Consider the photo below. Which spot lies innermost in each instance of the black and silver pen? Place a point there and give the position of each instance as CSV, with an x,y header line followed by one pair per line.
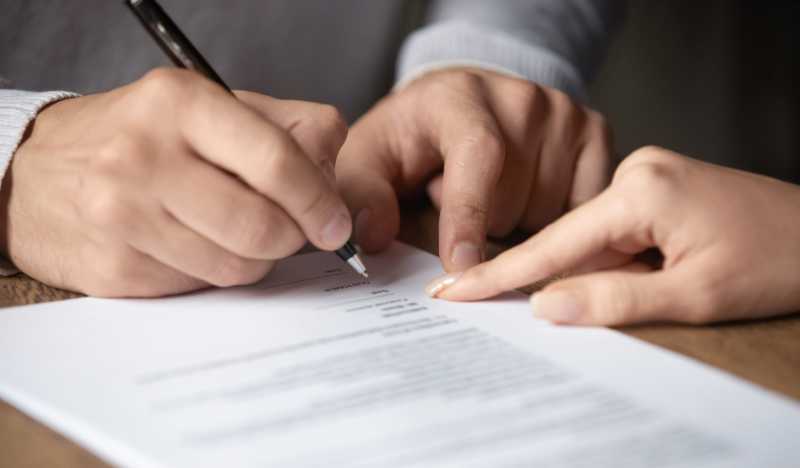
x,y
183,54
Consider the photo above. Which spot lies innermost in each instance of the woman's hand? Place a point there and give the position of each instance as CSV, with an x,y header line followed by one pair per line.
x,y
730,242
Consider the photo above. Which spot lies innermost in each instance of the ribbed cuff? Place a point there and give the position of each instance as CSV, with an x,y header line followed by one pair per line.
x,y
17,110
460,44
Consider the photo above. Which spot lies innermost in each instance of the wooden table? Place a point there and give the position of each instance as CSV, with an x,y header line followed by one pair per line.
x,y
766,352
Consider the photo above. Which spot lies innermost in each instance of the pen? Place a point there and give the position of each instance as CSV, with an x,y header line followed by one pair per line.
x,y
183,54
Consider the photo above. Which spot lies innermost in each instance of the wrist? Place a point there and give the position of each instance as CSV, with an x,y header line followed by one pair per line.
x,y
19,111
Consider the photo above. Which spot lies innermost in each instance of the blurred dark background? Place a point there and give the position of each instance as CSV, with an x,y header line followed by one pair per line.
x,y
713,79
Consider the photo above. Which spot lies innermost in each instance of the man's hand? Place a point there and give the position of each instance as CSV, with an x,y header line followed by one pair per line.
x,y
730,242
495,153
171,184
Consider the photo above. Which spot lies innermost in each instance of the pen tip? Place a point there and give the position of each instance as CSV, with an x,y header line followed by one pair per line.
x,y
358,266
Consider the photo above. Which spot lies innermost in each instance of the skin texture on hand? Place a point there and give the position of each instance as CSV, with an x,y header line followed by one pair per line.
x,y
730,242
171,184
495,153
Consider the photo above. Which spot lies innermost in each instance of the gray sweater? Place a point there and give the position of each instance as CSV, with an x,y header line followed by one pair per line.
x,y
344,52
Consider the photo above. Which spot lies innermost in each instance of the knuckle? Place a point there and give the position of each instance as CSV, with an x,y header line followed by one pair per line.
x,y
647,155
655,178
560,100
635,212
165,83
331,122
622,206
445,85
597,151
577,116
560,108
528,93
323,125
287,243
229,271
161,94
123,154
277,154
572,123
107,208
546,261
318,202
252,233
598,126
235,271
469,210
257,236
598,119
485,141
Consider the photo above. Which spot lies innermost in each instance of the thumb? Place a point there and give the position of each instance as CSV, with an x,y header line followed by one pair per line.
x,y
615,298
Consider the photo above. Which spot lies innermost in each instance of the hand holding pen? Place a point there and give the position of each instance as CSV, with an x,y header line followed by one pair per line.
x,y
183,54
168,185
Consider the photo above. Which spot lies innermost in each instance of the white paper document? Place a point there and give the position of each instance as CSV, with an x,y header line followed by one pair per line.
x,y
317,367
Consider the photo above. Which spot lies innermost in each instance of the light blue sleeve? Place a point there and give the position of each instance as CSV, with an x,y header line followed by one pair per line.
x,y
557,43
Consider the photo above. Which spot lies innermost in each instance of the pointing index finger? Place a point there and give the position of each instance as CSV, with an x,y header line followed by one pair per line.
x,y
472,145
561,246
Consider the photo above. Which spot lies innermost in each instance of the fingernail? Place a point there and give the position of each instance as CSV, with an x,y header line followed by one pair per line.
x,y
337,231
362,225
465,256
437,286
555,306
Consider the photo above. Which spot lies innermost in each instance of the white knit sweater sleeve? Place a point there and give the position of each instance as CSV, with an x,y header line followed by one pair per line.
x,y
17,110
